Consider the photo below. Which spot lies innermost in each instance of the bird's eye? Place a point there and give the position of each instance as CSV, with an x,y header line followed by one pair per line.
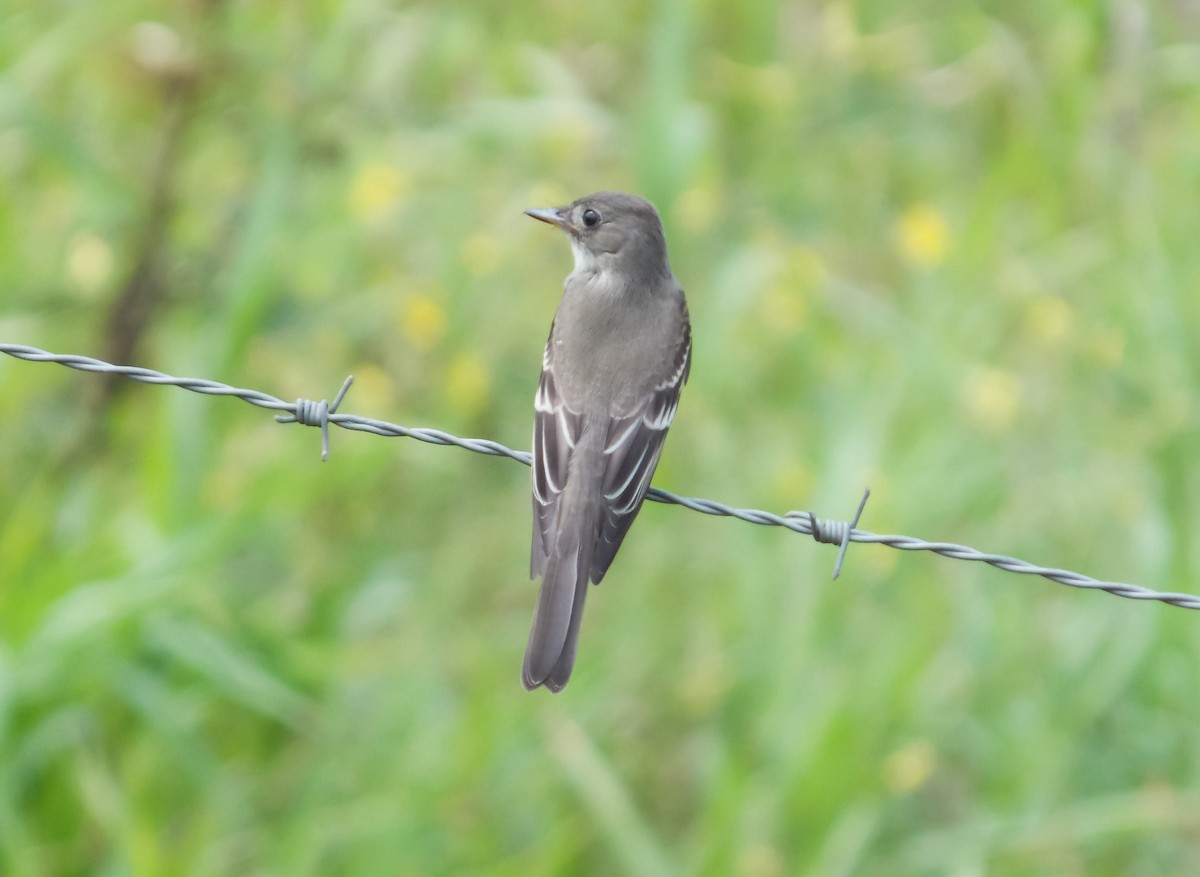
x,y
590,217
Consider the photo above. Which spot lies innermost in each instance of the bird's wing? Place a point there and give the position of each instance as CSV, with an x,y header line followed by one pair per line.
x,y
556,429
632,449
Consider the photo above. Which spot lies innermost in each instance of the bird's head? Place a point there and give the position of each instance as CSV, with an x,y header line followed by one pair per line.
x,y
611,231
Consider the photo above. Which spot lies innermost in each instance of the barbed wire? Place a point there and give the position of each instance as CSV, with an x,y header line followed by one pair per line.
x,y
322,413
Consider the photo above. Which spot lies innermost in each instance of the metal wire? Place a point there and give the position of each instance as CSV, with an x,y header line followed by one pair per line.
x,y
322,414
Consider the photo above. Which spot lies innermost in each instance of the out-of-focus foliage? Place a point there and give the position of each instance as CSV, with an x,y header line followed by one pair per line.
x,y
946,249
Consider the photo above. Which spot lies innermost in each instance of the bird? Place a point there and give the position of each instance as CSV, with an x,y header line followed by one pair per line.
x,y
619,352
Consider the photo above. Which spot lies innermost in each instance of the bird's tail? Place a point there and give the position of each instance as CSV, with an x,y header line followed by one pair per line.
x,y
550,655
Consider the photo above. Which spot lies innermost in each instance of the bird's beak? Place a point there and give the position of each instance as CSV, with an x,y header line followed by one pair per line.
x,y
552,215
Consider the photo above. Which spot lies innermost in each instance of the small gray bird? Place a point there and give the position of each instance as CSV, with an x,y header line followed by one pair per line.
x,y
620,349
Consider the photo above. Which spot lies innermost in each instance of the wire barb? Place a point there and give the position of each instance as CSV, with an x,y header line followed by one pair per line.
x,y
799,522
834,532
310,413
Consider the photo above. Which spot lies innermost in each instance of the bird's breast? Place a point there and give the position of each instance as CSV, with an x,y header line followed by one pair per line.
x,y
608,341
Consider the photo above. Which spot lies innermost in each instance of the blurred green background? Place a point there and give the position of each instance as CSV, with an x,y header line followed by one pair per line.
x,y
947,250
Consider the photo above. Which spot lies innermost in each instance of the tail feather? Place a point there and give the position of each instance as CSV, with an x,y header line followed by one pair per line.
x,y
550,655
559,676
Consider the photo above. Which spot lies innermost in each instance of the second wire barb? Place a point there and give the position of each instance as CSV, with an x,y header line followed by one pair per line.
x,y
834,532
311,413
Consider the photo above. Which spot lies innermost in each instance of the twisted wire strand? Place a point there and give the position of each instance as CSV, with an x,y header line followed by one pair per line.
x,y
322,413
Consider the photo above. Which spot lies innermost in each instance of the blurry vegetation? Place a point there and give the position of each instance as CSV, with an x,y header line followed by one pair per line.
x,y
948,250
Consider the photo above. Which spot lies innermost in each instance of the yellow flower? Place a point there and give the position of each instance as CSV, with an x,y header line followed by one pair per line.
x,y
375,189
89,262
909,767
1049,318
696,208
923,235
800,275
374,389
467,384
991,397
423,321
793,483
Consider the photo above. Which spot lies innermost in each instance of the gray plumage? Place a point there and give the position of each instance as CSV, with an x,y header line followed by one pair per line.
x,y
618,354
